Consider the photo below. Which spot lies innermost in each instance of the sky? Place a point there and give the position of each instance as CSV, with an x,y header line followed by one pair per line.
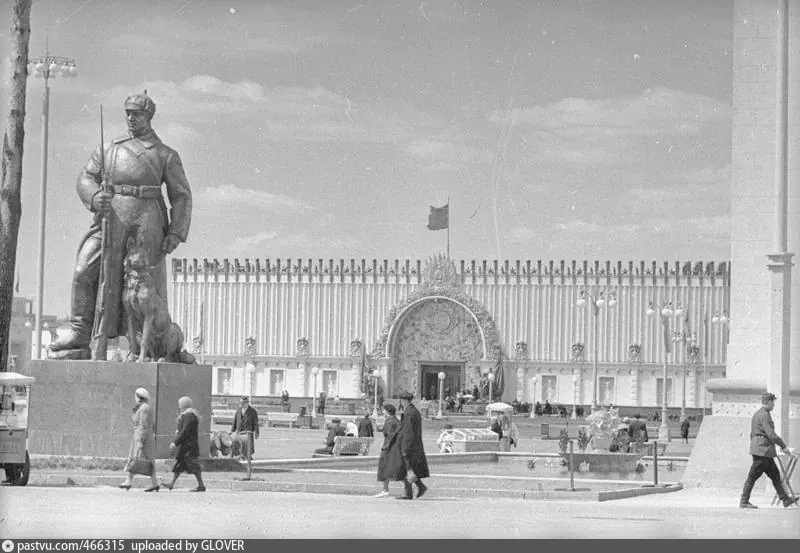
x,y
556,129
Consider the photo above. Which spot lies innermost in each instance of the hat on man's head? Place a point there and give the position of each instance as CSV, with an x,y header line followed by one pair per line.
x,y
768,396
408,396
140,101
245,399
334,421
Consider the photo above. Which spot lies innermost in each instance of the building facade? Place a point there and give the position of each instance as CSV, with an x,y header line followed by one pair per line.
x,y
309,326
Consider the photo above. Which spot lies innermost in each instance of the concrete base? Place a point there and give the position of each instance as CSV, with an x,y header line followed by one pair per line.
x,y
720,457
84,408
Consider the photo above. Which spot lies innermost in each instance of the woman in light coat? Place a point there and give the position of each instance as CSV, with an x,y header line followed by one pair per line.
x,y
143,442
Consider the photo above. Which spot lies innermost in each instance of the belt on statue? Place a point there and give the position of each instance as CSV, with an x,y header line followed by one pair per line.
x,y
135,191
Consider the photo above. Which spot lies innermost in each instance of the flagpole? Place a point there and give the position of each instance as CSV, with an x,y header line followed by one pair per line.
x,y
448,228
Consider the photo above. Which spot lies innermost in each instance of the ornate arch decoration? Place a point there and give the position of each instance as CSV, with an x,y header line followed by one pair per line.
x,y
439,283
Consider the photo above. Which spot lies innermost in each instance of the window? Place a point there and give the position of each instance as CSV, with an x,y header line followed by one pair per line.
x,y
660,392
606,391
330,382
277,378
224,381
550,388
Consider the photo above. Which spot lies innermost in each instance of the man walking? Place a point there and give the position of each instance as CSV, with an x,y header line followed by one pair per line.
x,y
411,448
365,427
246,420
762,447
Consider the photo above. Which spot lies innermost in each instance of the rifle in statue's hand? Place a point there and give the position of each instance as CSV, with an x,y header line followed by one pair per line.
x,y
100,327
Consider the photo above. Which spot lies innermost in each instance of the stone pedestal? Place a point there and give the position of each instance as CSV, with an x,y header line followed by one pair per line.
x,y
720,457
84,408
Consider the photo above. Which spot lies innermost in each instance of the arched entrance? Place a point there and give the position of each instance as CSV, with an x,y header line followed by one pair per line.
x,y
437,328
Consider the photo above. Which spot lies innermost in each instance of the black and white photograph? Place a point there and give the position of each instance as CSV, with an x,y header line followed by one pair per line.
x,y
387,269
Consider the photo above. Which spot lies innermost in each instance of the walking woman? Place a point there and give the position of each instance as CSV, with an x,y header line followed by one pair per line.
x,y
390,463
143,443
187,443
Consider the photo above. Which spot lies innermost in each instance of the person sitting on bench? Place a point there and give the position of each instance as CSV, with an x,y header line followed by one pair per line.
x,y
336,430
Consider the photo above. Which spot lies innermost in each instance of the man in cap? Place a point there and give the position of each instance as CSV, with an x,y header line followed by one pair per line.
x,y
330,440
763,440
411,448
245,422
135,167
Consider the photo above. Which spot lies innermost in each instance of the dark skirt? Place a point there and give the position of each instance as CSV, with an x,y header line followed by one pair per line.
x,y
390,464
186,462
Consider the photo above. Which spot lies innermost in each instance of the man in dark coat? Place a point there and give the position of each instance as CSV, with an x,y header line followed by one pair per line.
x,y
763,440
336,430
188,445
365,427
411,447
246,421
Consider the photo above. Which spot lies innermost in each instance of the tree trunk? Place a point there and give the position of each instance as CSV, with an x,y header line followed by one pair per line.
x,y
13,139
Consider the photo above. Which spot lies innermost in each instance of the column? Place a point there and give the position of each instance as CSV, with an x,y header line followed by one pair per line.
x,y
520,384
691,387
634,389
355,381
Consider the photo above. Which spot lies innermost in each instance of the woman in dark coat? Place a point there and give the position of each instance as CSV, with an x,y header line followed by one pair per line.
x,y
390,464
411,447
188,445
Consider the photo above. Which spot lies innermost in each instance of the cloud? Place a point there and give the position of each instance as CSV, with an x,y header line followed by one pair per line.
x,y
228,197
245,245
655,111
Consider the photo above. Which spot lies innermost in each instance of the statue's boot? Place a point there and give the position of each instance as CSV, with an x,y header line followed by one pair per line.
x,y
79,336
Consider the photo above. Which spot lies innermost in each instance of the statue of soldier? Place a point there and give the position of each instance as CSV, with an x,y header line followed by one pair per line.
x,y
135,166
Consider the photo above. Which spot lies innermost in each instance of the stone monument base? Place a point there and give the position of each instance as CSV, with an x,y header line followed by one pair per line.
x,y
720,457
84,408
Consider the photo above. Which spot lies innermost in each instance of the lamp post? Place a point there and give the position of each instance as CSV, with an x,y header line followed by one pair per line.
x,y
441,377
374,377
47,67
721,319
533,402
314,373
490,377
598,302
687,340
574,396
666,312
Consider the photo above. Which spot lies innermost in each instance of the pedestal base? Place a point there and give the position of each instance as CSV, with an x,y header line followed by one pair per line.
x,y
84,408
720,457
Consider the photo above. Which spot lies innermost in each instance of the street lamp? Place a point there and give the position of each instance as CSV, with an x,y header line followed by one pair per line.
x,y
441,377
533,402
598,302
47,67
720,318
490,377
666,312
374,376
688,340
314,373
574,396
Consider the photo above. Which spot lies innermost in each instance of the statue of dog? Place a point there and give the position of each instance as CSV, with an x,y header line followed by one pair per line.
x,y
151,332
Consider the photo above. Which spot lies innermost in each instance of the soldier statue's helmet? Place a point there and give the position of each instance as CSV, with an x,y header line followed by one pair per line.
x,y
140,101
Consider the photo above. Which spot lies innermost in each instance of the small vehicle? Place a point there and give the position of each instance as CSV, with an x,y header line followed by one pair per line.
x,y
14,411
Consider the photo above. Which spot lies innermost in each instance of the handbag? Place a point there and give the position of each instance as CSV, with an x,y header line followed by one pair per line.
x,y
140,466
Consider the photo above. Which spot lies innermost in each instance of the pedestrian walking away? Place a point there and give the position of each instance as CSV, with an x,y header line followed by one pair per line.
x,y
186,445
411,448
763,440
143,442
245,422
685,431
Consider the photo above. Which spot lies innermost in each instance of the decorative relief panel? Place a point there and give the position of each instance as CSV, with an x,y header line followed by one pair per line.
x,y
436,331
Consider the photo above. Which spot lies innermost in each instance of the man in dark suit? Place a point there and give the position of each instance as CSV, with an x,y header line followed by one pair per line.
x,y
763,440
411,448
336,430
365,427
246,422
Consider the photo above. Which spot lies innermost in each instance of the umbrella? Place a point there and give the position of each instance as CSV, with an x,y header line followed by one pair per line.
x,y
498,406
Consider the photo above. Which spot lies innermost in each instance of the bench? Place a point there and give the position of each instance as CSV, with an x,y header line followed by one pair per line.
x,y
348,446
223,416
281,418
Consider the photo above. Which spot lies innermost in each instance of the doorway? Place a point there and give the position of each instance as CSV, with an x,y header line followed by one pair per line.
x,y
429,379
